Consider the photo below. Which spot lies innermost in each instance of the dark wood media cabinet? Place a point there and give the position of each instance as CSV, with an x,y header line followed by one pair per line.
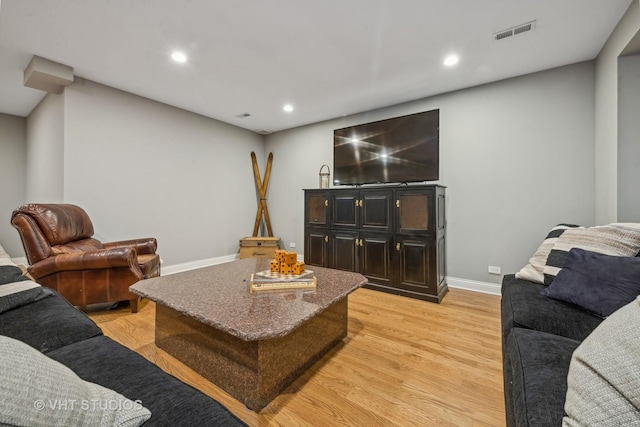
x,y
394,236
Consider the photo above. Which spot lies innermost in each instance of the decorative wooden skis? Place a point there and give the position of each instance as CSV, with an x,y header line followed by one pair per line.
x,y
262,190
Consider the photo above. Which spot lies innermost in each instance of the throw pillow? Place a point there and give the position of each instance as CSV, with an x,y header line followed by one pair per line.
x,y
598,283
533,270
4,257
621,239
38,391
603,384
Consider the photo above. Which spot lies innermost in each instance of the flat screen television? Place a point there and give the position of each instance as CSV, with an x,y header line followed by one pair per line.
x,y
398,150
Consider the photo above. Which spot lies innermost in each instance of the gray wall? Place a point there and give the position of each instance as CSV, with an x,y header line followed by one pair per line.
x,y
13,146
628,138
45,148
142,168
606,117
517,157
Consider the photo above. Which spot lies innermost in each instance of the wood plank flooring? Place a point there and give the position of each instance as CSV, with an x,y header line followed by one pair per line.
x,y
404,362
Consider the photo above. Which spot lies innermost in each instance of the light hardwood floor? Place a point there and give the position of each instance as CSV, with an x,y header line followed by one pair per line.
x,y
404,362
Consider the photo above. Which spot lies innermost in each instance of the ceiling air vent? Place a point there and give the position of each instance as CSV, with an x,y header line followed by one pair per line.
x,y
503,34
514,31
264,131
522,29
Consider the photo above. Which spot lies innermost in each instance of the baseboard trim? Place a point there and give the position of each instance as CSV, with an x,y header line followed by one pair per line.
x,y
171,269
192,265
20,260
452,282
474,285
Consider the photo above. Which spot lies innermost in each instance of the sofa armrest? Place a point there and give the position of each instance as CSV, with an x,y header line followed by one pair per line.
x,y
94,260
143,246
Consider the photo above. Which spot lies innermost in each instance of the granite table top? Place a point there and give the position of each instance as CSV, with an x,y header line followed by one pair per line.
x,y
219,296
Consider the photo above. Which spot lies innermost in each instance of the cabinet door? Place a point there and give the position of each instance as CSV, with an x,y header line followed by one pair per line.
x,y
415,211
316,208
344,251
417,265
375,210
316,244
345,209
375,258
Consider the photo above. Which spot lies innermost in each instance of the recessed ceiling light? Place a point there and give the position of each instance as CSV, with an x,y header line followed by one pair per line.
x,y
451,60
288,108
179,57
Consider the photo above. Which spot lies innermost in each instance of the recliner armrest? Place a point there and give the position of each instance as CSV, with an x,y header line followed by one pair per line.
x,y
94,260
147,245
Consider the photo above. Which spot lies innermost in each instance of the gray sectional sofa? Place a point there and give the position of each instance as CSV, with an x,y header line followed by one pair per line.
x,y
563,314
49,324
539,336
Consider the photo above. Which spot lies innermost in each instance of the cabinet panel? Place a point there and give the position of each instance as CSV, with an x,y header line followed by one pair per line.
x,y
316,209
316,248
344,251
376,210
345,210
415,211
442,268
440,201
376,253
417,265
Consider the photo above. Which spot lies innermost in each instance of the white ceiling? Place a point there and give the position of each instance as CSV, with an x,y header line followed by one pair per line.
x,y
326,57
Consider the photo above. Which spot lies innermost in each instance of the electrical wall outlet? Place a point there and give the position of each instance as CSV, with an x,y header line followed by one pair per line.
x,y
292,244
494,270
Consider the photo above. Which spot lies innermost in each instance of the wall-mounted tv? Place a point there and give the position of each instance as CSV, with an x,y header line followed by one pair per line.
x,y
397,150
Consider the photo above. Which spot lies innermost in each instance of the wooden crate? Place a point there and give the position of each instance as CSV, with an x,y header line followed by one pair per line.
x,y
259,247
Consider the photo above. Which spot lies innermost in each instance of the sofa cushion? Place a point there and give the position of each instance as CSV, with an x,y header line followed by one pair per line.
x,y
23,292
533,270
83,245
48,324
596,282
621,239
539,365
38,391
172,402
149,265
523,306
11,274
604,374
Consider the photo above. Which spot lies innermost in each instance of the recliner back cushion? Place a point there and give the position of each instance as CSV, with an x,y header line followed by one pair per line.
x,y
84,245
60,223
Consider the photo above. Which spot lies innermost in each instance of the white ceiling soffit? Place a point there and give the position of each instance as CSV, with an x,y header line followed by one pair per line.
x,y
326,58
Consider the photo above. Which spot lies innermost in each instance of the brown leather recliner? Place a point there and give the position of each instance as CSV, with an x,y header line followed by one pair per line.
x,y
62,255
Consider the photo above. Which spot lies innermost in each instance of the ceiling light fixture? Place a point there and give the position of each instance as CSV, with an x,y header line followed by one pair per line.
x,y
288,108
451,60
179,57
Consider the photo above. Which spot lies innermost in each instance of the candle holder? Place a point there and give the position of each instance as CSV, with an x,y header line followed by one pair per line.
x,y
324,176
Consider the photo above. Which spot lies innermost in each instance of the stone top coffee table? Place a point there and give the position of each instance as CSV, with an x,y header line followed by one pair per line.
x,y
252,345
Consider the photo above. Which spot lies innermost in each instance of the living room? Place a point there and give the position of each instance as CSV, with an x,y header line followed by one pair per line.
x,y
518,156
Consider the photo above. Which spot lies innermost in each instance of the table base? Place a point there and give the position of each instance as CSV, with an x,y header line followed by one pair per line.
x,y
254,372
